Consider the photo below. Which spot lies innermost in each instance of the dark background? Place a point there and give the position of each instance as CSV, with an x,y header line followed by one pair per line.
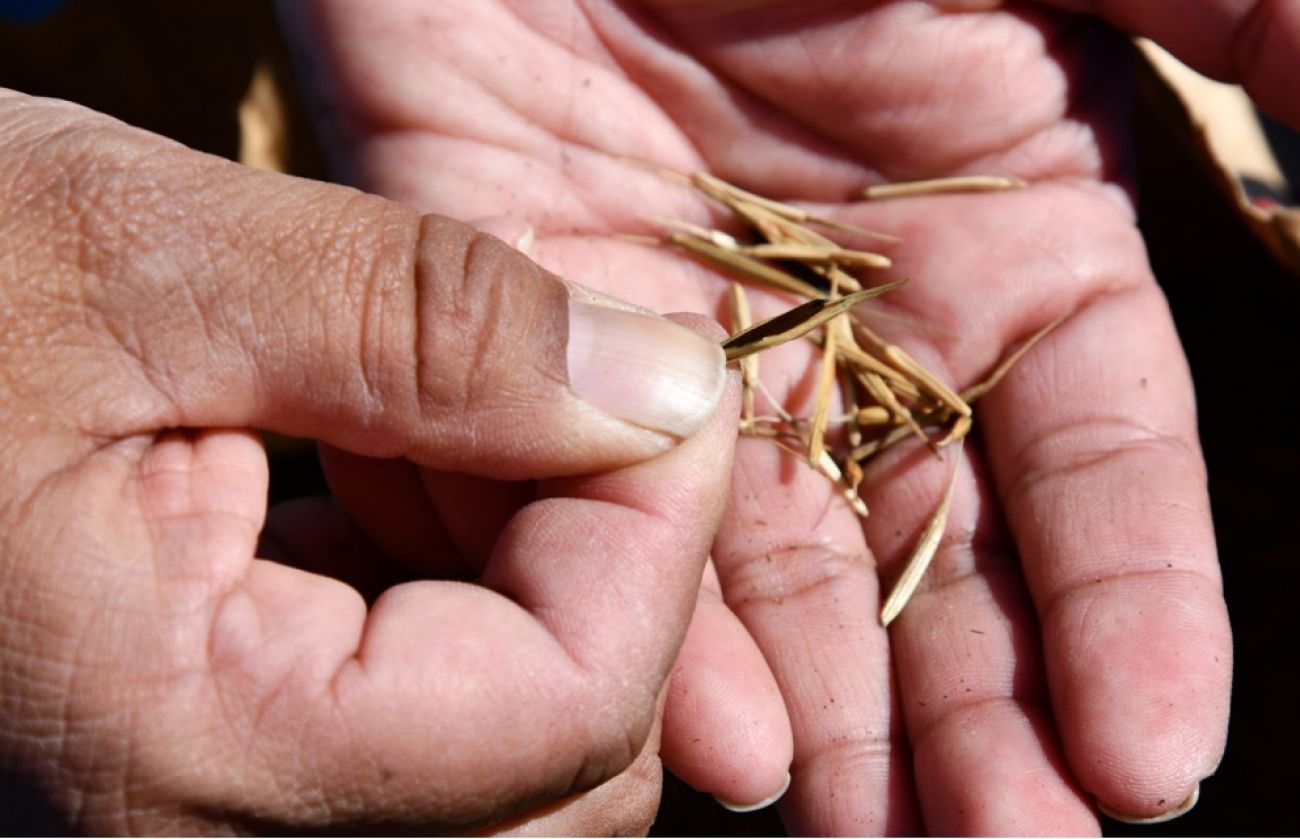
x,y
181,68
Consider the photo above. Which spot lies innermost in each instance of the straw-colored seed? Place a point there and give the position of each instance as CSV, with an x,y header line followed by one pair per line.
x,y
974,392
715,237
887,396
927,380
944,186
825,384
745,267
922,554
742,319
899,413
777,228
740,199
960,428
875,415
795,323
872,448
818,254
853,475
859,359
826,465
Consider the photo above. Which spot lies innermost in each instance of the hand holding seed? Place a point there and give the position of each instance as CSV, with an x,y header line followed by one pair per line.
x,y
1068,646
164,672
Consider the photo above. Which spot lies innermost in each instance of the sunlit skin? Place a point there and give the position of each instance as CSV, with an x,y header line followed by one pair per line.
x,y
177,660
1071,642
499,621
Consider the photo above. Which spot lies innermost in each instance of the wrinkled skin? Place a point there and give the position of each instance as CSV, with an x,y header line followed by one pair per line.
x,y
1071,643
167,670
176,660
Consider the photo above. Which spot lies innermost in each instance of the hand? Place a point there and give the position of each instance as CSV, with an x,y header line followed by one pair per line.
x,y
1071,642
157,306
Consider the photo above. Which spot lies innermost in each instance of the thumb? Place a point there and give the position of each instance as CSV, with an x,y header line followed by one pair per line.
x,y
195,292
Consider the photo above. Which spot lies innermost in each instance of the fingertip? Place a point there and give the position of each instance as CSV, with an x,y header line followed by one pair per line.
x,y
991,768
1142,690
768,801
1158,817
726,731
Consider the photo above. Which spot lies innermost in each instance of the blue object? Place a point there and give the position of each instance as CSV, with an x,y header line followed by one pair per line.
x,y
29,11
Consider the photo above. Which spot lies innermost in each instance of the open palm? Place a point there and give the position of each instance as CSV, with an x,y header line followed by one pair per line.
x,y
1070,642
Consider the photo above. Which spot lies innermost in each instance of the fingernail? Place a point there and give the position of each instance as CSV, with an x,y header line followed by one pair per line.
x,y
1168,815
749,808
643,369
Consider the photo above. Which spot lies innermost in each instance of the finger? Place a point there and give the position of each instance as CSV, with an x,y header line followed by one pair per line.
x,y
970,679
224,296
1104,489
725,727
1253,43
599,577
1091,446
795,569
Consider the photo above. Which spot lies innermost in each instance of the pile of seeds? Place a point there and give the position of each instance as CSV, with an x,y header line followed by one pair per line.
x,y
886,396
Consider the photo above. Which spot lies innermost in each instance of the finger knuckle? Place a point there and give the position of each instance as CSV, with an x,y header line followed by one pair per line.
x,y
489,338
798,574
